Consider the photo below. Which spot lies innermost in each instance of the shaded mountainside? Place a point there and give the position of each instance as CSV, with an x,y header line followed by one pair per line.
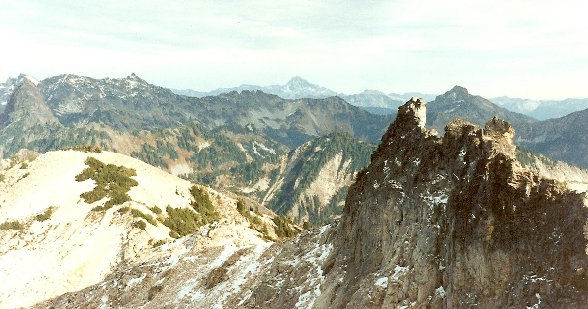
x,y
563,138
292,122
234,142
438,222
26,107
313,180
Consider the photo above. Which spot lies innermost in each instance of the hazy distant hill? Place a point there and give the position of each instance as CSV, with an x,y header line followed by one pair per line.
x,y
458,103
564,138
374,101
542,109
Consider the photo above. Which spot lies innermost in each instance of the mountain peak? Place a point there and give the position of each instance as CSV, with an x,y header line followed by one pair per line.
x,y
297,87
414,111
298,80
459,90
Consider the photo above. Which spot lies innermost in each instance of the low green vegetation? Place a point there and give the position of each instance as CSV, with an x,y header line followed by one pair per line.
x,y
181,221
11,225
184,221
139,214
255,222
140,225
202,204
156,210
2,177
46,215
24,166
112,181
84,148
159,243
283,227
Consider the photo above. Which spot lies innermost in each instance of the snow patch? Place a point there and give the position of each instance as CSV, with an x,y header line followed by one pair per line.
x,y
440,291
382,282
535,306
206,144
136,281
263,147
399,271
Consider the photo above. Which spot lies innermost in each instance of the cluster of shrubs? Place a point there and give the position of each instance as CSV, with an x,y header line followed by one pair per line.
x,y
255,222
283,227
184,221
111,181
11,225
139,214
84,148
46,215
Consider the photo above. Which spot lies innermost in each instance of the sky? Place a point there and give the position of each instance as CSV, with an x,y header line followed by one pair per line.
x,y
529,49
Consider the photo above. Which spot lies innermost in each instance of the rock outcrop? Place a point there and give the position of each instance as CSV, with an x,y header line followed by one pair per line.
x,y
454,221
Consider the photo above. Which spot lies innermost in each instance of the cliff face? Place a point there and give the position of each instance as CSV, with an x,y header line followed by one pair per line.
x,y
27,105
454,221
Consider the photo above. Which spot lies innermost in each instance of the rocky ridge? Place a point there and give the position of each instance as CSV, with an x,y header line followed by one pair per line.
x,y
439,222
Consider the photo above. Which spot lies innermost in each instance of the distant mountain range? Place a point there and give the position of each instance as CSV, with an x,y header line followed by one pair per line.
x,y
542,109
250,142
373,101
234,141
295,88
377,102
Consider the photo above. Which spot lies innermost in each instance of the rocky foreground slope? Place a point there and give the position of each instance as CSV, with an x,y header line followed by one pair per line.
x,y
441,222
53,240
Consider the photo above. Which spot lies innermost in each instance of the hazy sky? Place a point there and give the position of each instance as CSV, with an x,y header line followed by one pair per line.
x,y
532,49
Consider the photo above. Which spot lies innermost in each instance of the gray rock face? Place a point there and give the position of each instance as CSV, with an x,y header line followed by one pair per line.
x,y
27,104
455,222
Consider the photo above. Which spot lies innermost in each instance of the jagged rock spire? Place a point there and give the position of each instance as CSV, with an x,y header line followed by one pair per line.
x,y
416,110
